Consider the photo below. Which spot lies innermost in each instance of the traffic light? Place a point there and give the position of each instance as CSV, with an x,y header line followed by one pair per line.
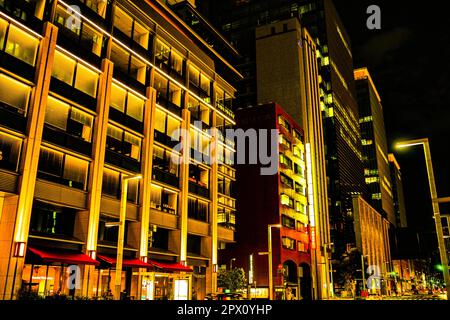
x,y
439,267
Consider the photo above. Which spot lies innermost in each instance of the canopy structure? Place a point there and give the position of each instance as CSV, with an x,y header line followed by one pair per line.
x,y
171,266
127,263
62,256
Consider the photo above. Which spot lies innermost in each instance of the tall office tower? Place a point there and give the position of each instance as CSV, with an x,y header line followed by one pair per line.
x,y
279,199
341,121
92,97
374,146
397,190
288,73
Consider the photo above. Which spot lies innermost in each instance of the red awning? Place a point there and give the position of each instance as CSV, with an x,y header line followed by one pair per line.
x,y
63,256
127,263
171,266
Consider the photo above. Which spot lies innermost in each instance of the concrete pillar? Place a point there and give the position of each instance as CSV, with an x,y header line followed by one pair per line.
x,y
184,183
30,157
96,170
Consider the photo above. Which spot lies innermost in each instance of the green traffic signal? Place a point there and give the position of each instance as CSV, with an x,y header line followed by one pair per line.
x,y
439,267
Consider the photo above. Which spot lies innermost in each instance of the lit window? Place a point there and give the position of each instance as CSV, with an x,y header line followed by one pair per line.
x,y
3,27
123,21
75,171
141,35
92,39
132,146
86,80
176,62
14,93
135,107
123,142
57,113
127,102
173,125
163,199
128,64
160,121
67,20
194,77
162,54
118,97
110,183
22,45
79,123
10,147
64,169
175,93
63,68
98,6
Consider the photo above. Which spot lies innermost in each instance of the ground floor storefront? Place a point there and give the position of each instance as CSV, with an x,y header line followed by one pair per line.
x,y
66,274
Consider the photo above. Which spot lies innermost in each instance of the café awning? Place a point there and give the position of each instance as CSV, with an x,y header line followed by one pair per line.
x,y
171,266
62,256
127,263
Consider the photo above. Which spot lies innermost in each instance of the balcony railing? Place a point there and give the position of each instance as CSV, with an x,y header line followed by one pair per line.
x,y
165,177
122,161
198,190
67,140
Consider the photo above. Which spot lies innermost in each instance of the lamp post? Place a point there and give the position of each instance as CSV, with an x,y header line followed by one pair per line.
x,y
121,236
231,263
435,201
363,271
269,234
331,285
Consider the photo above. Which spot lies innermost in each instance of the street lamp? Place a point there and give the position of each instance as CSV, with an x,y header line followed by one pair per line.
x,y
363,270
120,240
269,234
435,201
326,246
231,263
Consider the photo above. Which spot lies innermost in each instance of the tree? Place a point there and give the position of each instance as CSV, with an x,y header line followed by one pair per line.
x,y
232,280
348,270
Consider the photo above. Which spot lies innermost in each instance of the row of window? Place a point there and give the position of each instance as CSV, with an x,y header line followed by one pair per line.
x,y
14,94
291,203
292,244
290,183
18,43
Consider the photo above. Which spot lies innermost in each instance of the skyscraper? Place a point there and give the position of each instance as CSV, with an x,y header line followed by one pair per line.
x,y
374,145
397,190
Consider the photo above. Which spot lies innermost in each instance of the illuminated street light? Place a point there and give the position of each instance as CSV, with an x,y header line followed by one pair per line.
x,y
435,201
231,263
121,224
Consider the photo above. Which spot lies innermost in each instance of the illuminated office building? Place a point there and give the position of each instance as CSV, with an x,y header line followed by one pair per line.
x,y
91,92
397,189
374,146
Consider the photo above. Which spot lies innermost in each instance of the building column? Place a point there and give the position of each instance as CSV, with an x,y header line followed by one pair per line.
x,y
184,182
214,207
10,270
98,160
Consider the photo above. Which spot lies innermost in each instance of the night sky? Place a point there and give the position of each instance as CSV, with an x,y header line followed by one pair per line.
x,y
408,62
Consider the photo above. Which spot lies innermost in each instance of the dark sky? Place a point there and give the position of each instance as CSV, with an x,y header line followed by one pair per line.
x,y
408,62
